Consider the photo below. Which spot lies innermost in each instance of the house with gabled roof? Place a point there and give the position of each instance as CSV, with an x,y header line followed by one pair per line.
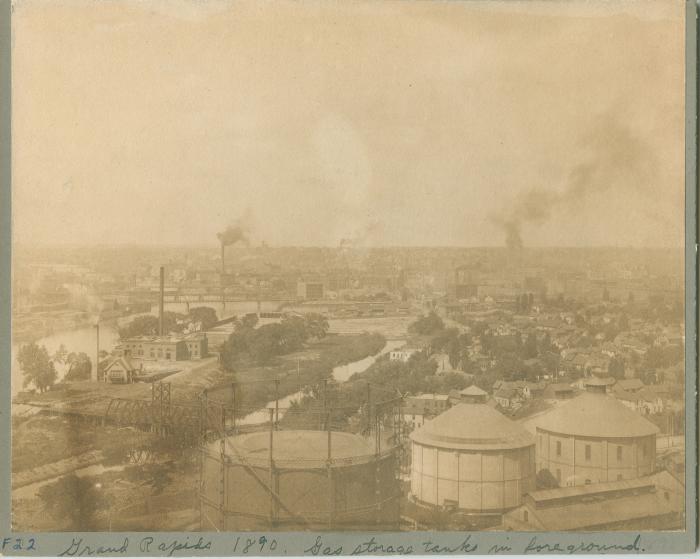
x,y
120,371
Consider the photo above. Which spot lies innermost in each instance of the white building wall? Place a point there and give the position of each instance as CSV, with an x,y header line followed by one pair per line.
x,y
475,480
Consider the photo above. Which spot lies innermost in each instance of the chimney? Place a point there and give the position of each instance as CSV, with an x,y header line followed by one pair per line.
x,y
223,271
161,298
223,259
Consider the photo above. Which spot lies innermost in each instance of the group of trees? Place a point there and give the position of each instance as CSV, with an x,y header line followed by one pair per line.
x,y
616,367
199,318
270,340
427,325
76,502
386,378
39,368
455,345
661,357
77,366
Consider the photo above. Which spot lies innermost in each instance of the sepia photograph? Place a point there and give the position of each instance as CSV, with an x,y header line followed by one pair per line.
x,y
345,267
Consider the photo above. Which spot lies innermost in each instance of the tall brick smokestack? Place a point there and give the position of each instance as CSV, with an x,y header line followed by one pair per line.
x,y
223,271
161,298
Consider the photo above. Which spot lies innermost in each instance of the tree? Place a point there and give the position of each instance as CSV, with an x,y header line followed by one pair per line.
x,y
545,344
530,346
61,354
442,340
204,316
79,367
148,325
316,325
157,476
616,368
249,321
36,367
77,500
426,325
623,322
479,327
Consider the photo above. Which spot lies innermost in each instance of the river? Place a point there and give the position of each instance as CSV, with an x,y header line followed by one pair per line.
x,y
85,340
340,374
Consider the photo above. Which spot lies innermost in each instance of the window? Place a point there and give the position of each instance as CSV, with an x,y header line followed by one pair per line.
x,y
588,482
525,515
558,448
644,450
619,453
558,475
619,477
667,496
588,452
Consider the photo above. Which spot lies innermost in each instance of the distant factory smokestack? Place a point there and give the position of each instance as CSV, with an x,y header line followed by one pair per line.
x,y
223,271
161,300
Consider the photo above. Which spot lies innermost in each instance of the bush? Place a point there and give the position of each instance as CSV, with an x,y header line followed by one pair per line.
x,y
75,500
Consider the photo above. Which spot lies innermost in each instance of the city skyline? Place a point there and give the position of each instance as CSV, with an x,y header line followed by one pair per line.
x,y
345,128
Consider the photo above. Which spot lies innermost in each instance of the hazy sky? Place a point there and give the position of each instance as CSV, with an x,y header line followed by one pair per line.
x,y
399,123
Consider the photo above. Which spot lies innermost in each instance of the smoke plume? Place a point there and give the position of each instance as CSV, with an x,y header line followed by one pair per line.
x,y
366,236
614,158
233,234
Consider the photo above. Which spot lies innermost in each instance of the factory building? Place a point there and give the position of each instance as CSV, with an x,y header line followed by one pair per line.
x,y
310,290
472,458
164,348
463,284
594,438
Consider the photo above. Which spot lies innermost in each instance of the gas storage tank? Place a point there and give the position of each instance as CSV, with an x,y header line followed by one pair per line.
x,y
594,438
474,458
299,480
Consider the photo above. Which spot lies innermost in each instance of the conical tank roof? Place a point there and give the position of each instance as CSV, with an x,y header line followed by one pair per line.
x,y
473,390
595,415
472,427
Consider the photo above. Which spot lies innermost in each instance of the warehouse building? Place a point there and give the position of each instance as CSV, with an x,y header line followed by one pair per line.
x,y
654,502
165,348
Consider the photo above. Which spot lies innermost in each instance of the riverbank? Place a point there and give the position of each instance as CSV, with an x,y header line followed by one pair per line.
x,y
291,373
42,440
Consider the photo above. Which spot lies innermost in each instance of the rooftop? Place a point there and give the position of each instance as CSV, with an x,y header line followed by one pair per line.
x,y
547,496
473,427
431,396
588,506
595,415
473,390
303,446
